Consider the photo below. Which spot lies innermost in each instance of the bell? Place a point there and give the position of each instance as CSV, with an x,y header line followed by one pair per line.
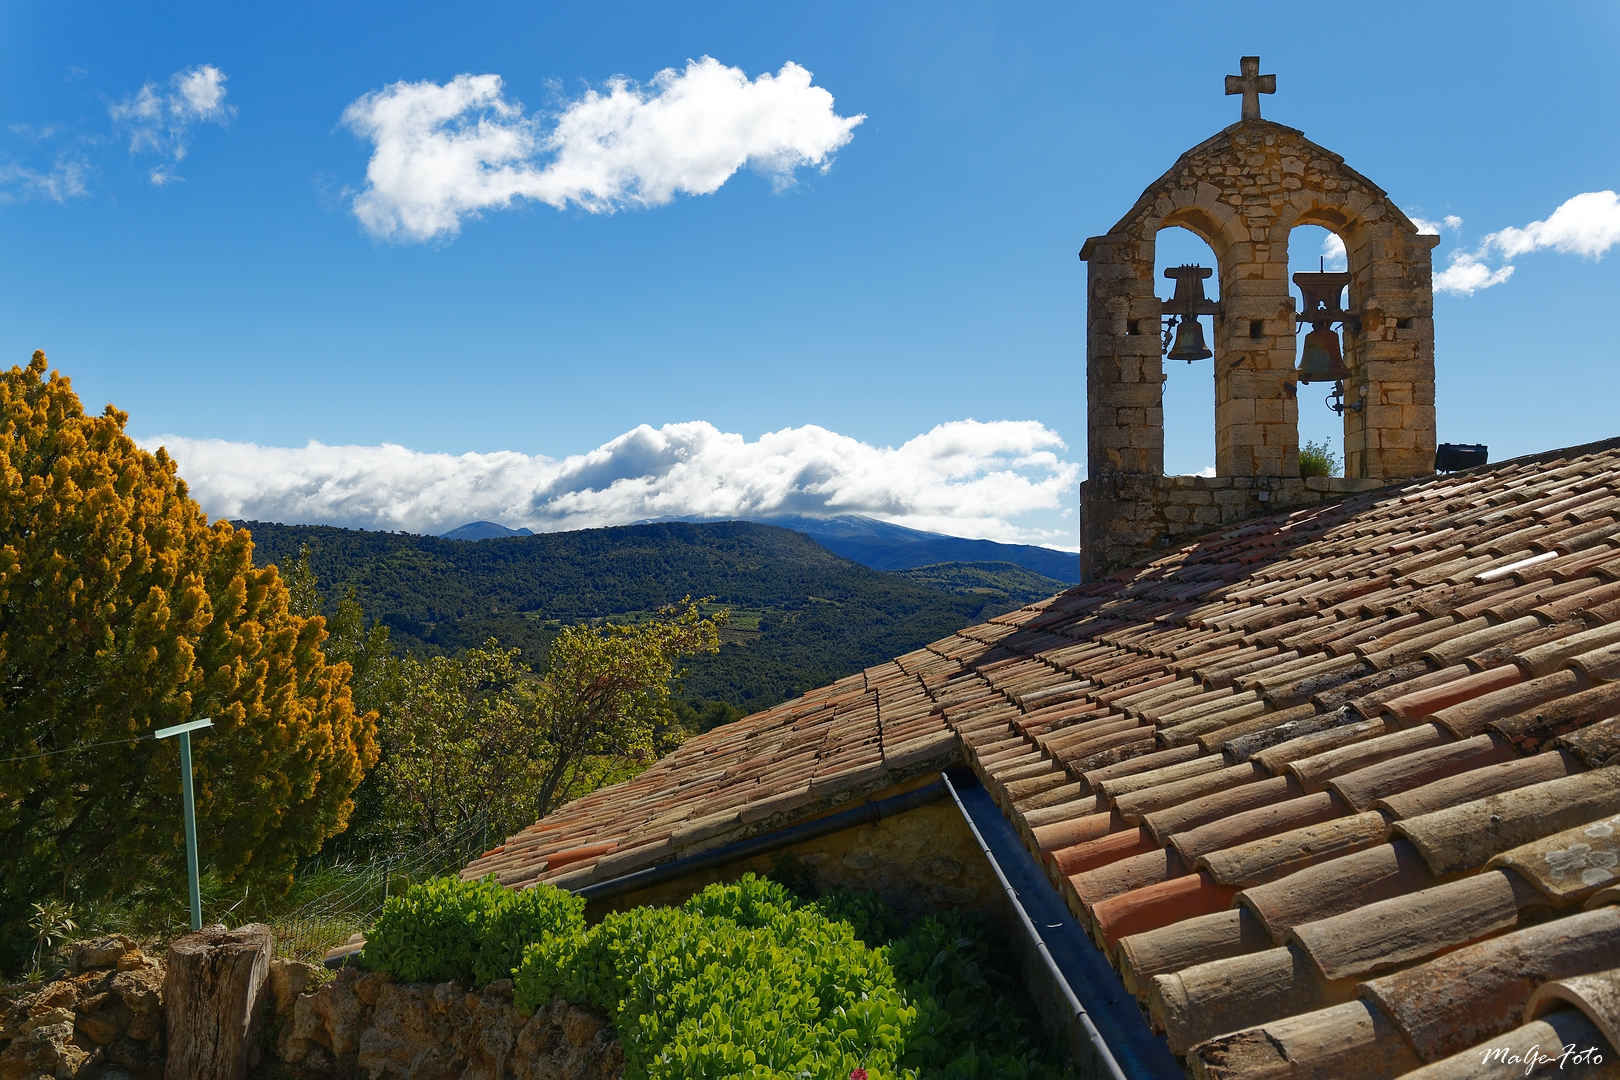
x,y
1321,360
1189,344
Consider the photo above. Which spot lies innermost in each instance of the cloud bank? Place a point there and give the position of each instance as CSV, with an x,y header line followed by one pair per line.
x,y
443,153
161,121
1587,225
963,478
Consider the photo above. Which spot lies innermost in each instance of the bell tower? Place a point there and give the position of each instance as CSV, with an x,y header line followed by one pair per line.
x,y
1242,191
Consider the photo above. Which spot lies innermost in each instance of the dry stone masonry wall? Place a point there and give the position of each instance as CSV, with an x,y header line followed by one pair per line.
x,y
427,1031
102,1018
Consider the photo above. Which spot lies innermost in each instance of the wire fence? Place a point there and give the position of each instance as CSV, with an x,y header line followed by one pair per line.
x,y
354,892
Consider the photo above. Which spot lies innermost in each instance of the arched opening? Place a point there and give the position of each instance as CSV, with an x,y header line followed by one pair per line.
x,y
1189,388
1312,248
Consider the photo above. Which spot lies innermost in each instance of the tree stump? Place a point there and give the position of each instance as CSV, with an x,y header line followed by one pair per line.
x,y
211,997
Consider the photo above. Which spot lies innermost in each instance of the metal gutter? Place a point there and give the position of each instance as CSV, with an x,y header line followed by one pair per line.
x,y
1092,991
867,813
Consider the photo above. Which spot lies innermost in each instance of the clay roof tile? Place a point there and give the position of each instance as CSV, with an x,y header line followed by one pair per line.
x,y
1351,1041
1280,854
1465,837
1457,1001
1412,926
1477,784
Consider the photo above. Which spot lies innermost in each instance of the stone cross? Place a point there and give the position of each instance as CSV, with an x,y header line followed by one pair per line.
x,y
1251,84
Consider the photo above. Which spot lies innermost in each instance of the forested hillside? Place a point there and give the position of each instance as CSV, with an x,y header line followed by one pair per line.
x,y
800,615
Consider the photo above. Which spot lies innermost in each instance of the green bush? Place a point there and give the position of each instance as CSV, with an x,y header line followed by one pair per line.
x,y
744,980
472,932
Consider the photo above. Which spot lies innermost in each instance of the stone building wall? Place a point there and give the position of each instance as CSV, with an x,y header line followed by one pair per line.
x,y
1242,192
1128,514
920,861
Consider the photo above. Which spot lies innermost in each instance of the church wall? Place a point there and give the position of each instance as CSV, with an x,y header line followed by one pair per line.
x,y
921,861
1126,516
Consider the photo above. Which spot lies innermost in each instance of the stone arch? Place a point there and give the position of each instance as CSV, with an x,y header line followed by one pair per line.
x,y
1188,390
1243,191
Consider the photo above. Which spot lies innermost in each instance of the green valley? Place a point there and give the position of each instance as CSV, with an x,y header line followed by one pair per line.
x,y
800,616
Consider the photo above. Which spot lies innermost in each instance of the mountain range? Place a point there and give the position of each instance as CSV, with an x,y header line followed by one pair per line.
x,y
870,542
800,615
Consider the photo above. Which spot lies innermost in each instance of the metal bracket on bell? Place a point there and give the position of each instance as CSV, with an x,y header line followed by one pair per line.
x,y
1335,400
1321,292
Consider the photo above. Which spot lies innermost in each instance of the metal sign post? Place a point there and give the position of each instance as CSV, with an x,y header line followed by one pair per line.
x,y
184,731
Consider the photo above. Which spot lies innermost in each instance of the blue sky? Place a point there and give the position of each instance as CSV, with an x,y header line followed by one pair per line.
x,y
926,276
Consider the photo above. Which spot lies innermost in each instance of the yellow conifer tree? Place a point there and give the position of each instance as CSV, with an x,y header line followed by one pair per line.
x,y
122,610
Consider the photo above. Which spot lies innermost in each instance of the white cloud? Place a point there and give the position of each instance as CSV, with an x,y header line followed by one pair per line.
x,y
963,478
442,153
61,183
160,120
1467,275
1433,228
1587,224
1332,252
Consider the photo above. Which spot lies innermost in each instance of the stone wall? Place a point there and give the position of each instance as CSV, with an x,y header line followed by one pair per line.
x,y
1243,191
101,1019
921,861
1129,515
387,1030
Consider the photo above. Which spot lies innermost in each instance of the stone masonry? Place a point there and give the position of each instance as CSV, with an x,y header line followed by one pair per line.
x,y
1242,192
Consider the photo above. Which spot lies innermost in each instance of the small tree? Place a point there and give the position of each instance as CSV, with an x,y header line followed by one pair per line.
x,y
605,697
457,744
122,610
483,735
376,686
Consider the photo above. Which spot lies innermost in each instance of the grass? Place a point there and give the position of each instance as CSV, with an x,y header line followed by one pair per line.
x,y
331,898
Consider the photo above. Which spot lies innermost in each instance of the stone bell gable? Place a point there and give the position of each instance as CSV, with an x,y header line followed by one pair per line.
x,y
1243,191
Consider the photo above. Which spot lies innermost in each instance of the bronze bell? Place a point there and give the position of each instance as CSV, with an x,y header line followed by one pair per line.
x,y
1320,360
1186,305
1189,344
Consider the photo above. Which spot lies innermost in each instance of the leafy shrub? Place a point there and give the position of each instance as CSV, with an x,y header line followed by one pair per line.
x,y
473,932
739,981
746,980
873,921
743,980
1318,459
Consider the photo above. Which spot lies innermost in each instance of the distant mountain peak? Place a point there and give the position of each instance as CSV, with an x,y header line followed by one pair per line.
x,y
484,530
882,545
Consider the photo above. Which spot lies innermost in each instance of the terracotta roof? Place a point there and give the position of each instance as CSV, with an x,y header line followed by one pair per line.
x,y
1336,791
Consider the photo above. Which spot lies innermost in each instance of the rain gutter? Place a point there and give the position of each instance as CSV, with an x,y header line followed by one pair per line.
x,y
1092,993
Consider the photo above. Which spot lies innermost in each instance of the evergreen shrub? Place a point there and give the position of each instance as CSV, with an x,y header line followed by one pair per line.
x,y
471,932
743,980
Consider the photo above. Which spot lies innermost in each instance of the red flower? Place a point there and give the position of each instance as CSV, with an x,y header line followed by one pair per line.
x,y
857,1074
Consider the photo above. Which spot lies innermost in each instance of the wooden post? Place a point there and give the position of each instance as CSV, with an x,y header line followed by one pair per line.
x,y
211,997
